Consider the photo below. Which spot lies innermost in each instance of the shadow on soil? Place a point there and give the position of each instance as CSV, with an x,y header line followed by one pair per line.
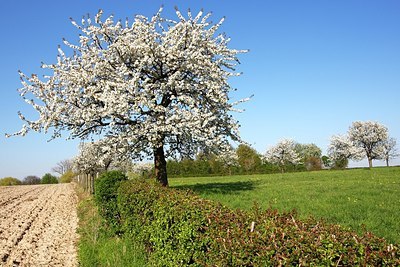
x,y
220,188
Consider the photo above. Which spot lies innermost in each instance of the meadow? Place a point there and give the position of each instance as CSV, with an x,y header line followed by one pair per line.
x,y
359,199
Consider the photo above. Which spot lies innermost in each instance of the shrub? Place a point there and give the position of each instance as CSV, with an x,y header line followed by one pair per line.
x,y
67,177
7,181
340,164
105,196
49,179
313,164
181,229
168,221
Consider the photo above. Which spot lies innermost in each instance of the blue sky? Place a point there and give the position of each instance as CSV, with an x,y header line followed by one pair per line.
x,y
314,67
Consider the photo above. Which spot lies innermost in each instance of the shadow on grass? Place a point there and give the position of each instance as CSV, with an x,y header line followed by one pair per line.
x,y
220,188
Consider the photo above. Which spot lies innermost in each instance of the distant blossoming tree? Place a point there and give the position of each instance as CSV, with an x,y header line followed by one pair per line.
x,y
368,136
91,159
228,158
388,150
156,85
341,149
141,169
283,153
100,156
363,139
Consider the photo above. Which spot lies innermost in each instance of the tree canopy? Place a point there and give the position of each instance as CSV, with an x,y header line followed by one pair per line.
x,y
31,179
368,136
388,150
341,149
155,86
282,153
248,158
49,179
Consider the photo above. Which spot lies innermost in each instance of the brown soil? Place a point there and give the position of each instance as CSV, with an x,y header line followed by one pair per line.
x,y
38,225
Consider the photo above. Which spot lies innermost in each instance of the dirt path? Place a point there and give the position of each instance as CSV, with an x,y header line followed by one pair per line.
x,y
38,225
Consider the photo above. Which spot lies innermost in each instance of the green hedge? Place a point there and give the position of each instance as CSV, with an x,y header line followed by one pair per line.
x,y
170,223
106,189
179,228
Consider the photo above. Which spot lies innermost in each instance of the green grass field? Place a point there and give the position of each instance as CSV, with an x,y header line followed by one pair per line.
x,y
355,198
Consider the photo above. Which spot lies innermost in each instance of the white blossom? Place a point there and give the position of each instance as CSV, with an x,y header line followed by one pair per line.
x,y
228,157
387,150
141,167
155,85
363,139
368,136
341,147
90,159
282,153
98,156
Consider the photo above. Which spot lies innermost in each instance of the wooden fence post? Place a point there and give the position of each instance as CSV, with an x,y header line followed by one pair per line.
x,y
86,182
91,184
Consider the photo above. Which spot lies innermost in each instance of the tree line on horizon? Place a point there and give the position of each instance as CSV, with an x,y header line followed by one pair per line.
x,y
363,140
286,156
48,178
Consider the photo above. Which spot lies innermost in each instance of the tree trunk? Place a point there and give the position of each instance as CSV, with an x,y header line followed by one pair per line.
x,y
387,162
160,166
370,162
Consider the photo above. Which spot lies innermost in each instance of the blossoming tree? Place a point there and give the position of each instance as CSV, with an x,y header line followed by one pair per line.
x,y
341,149
368,136
282,153
94,157
388,150
155,85
363,139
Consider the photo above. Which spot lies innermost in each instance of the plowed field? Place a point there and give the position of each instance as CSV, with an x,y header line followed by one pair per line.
x,y
38,225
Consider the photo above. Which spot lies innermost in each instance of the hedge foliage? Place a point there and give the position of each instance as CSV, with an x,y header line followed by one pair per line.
x,y
179,228
106,189
212,167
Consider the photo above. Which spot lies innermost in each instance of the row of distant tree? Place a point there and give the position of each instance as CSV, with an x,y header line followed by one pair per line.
x,y
368,140
364,140
33,179
248,161
299,157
